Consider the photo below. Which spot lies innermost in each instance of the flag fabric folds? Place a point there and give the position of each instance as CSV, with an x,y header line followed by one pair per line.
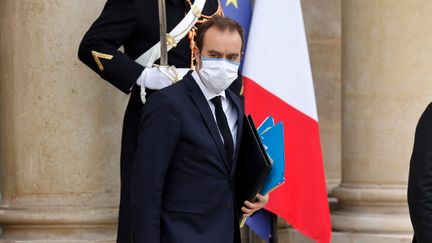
x,y
278,82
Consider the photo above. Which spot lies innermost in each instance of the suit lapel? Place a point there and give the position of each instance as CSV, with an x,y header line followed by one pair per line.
x,y
207,115
238,103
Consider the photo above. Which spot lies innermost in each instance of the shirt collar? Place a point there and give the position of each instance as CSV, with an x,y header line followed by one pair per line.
x,y
208,94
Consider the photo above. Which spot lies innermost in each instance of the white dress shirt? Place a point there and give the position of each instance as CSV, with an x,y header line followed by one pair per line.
x,y
230,110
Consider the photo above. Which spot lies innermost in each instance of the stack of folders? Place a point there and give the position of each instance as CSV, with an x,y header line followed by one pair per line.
x,y
260,168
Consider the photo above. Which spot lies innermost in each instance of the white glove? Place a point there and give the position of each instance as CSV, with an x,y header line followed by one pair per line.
x,y
153,78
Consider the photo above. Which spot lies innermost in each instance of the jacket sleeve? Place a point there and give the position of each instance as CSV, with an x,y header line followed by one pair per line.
x,y
159,134
420,179
99,47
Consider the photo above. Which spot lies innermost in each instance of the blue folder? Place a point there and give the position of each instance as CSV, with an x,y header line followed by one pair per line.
x,y
273,140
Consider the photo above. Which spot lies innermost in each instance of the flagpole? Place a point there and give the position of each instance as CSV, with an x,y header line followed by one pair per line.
x,y
274,229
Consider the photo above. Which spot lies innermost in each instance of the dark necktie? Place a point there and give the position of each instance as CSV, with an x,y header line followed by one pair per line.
x,y
224,128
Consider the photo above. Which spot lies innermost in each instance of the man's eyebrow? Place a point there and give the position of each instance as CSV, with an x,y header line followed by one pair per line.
x,y
215,52
235,54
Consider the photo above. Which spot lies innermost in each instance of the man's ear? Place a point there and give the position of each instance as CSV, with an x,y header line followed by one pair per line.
x,y
196,52
197,55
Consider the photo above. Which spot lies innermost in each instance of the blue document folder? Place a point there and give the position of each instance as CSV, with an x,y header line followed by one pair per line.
x,y
273,140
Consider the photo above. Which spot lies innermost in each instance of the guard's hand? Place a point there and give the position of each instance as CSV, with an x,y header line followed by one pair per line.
x,y
251,208
153,78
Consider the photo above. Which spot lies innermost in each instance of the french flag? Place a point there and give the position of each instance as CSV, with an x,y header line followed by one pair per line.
x,y
278,82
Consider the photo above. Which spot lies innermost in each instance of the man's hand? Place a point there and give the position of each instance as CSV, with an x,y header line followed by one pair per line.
x,y
251,208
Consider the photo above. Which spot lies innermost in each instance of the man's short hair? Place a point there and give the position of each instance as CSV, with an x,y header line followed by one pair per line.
x,y
222,24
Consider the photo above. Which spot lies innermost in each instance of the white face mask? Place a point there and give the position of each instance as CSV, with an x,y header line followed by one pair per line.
x,y
217,74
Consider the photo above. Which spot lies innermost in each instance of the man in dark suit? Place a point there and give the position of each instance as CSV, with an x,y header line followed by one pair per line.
x,y
420,180
134,24
188,144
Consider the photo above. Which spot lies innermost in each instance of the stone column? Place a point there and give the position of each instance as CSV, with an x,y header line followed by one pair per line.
x,y
386,71
60,127
323,28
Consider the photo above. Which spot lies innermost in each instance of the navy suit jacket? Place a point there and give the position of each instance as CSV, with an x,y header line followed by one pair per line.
x,y
420,180
182,186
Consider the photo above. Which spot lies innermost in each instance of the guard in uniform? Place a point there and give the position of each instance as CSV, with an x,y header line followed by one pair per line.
x,y
134,24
